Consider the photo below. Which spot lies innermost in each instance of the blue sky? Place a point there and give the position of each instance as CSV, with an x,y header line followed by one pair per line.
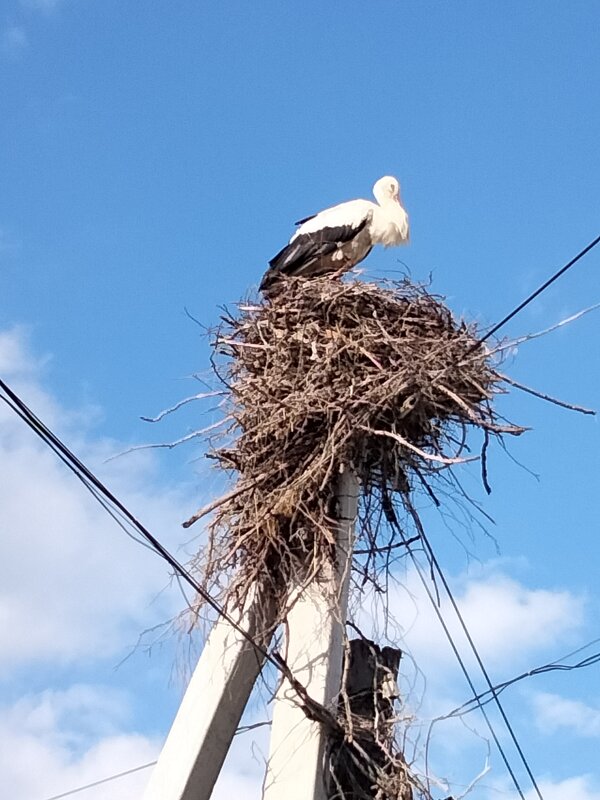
x,y
153,157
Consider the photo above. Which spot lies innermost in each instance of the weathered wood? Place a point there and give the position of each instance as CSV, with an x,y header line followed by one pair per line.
x,y
371,682
370,694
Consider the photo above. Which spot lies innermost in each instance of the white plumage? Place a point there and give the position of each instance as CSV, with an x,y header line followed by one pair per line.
x,y
338,238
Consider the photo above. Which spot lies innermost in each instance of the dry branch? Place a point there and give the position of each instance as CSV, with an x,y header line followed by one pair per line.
x,y
327,376
547,397
177,406
512,343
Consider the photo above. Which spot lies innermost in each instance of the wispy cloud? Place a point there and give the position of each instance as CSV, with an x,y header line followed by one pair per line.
x,y
13,41
554,712
42,5
579,787
8,243
14,360
509,622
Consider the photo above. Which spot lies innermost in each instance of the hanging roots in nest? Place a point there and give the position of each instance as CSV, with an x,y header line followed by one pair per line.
x,y
327,376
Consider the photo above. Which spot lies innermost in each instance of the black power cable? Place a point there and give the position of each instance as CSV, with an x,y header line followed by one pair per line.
x,y
116,509
124,517
494,695
535,294
391,516
486,697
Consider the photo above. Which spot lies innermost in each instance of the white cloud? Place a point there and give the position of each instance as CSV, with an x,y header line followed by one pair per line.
x,y
13,41
509,622
80,735
58,741
71,715
506,618
71,583
14,358
580,787
554,713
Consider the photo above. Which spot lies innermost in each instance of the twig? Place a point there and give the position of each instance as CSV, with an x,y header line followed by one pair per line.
x,y
428,456
516,430
171,445
387,547
234,343
475,780
529,336
181,403
547,397
484,470
223,499
246,728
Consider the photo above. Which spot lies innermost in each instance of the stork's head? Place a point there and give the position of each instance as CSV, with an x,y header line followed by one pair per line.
x,y
386,190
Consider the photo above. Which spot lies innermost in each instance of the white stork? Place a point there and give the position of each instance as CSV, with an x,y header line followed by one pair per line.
x,y
338,238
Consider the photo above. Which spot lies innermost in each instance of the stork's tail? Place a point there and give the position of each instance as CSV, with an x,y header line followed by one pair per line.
x,y
272,276
271,281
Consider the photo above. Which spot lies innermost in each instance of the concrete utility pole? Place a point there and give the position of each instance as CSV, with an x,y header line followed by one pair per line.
x,y
218,692
315,629
210,712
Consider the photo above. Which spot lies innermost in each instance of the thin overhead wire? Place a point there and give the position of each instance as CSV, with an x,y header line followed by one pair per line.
x,y
457,654
486,697
435,565
117,510
101,781
434,562
537,292
124,517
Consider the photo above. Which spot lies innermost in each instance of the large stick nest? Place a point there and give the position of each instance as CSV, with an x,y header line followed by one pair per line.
x,y
330,376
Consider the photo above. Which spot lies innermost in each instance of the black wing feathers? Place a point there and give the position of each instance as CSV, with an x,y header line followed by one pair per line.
x,y
304,255
302,221
308,248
